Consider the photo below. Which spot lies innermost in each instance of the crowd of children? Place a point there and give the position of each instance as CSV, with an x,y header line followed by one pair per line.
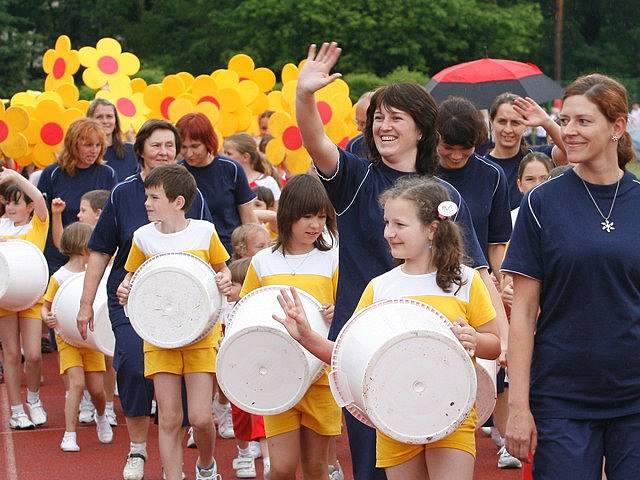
x,y
422,217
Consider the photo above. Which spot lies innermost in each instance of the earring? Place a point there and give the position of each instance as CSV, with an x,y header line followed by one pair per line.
x,y
614,138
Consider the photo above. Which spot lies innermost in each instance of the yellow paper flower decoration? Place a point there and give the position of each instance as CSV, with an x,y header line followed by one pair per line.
x,y
158,97
287,137
244,66
106,62
132,111
60,63
13,123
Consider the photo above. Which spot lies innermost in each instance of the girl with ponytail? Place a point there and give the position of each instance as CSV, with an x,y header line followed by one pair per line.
x,y
575,318
421,234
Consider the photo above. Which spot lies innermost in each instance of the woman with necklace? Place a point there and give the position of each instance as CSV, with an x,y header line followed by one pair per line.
x,y
575,391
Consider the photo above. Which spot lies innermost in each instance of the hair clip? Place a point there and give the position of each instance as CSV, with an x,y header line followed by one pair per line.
x,y
446,210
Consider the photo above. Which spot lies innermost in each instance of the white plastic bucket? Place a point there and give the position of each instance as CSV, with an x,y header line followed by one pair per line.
x,y
24,275
260,367
398,367
66,304
174,300
486,371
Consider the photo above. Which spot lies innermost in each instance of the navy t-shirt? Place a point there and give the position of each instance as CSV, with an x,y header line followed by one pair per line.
x,y
124,167
364,253
55,182
358,147
585,362
510,167
123,214
225,187
483,185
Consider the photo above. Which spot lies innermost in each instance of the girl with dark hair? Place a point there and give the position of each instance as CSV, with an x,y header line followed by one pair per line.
x,y
429,244
575,320
510,115
481,182
119,155
222,180
303,257
401,139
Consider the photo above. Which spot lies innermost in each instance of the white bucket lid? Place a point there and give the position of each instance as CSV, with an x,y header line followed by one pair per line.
x,y
24,275
419,385
486,371
174,300
260,367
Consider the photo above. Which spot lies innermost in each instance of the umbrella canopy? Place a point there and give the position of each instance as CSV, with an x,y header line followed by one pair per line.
x,y
483,80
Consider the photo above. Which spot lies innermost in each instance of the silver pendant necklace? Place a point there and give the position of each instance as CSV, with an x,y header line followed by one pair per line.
x,y
294,270
607,225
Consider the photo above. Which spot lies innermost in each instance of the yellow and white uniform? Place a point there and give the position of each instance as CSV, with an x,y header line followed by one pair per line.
x,y
199,238
68,355
471,303
317,274
35,232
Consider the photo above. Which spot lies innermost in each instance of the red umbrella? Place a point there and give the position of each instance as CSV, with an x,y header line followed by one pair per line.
x,y
483,80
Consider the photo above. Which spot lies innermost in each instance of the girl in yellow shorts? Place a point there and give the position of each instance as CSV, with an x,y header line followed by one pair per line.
x,y
79,364
303,257
421,234
26,218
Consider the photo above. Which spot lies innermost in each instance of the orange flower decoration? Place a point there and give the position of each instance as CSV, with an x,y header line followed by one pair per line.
x,y
13,122
107,62
60,63
132,111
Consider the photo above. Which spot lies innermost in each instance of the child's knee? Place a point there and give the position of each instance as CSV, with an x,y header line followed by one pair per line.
x,y
33,357
169,420
201,420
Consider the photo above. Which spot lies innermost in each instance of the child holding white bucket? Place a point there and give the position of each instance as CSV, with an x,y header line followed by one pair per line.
x,y
305,258
170,190
419,230
26,218
82,366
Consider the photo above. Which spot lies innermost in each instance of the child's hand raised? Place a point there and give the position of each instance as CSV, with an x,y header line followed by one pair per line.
x,y
467,336
295,320
58,205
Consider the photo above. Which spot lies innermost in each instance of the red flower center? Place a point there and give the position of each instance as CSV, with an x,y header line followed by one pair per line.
x,y
324,109
4,131
51,133
126,107
164,107
59,67
108,65
210,99
291,138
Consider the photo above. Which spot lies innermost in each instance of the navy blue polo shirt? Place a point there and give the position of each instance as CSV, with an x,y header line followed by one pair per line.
x,y
124,167
585,360
364,253
122,215
56,183
483,185
510,166
225,187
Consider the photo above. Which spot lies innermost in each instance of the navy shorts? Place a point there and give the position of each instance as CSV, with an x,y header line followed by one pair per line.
x,y
500,383
136,392
576,448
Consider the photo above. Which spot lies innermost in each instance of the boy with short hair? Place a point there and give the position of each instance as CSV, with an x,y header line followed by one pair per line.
x,y
170,189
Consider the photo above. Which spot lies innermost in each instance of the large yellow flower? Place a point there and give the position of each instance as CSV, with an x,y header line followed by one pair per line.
x,y
13,122
131,108
158,97
287,144
107,62
60,63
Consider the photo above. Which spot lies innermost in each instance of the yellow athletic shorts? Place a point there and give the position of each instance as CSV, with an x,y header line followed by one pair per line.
x,y
70,356
31,312
317,411
390,452
179,361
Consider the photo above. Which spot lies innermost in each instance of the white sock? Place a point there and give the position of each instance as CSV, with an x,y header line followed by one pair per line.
x,y
140,448
101,418
16,409
70,435
32,397
108,406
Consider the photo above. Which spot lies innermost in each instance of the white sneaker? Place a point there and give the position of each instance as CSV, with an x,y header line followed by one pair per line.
x,y
111,416
154,407
245,467
207,473
254,447
225,422
266,468
20,421
105,433
335,472
134,468
69,445
506,460
191,441
486,431
37,413
87,411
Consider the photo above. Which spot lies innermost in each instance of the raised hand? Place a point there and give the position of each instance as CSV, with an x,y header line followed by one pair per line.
x,y
58,205
315,72
295,320
532,113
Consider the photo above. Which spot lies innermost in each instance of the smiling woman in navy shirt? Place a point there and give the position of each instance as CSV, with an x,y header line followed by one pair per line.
x,y
574,366
401,138
482,183
156,144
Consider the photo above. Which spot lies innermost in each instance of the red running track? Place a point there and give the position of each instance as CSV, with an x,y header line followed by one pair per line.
x,y
35,454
